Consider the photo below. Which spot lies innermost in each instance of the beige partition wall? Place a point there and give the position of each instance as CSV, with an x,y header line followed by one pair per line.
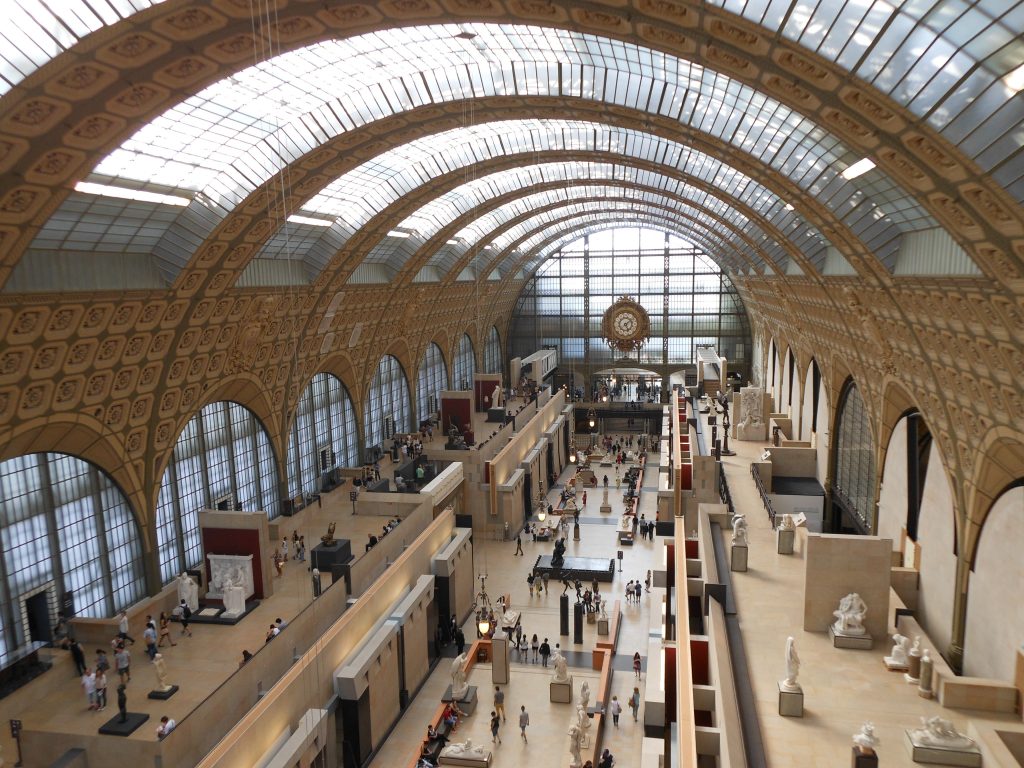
x,y
837,565
412,615
385,704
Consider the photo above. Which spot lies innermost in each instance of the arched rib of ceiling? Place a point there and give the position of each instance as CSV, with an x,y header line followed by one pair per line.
x,y
732,47
365,199
440,255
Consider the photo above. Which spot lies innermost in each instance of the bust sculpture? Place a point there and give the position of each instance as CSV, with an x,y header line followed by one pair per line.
x,y
188,591
850,616
161,672
575,741
739,530
938,732
465,749
328,538
585,694
792,666
865,740
458,671
899,656
561,666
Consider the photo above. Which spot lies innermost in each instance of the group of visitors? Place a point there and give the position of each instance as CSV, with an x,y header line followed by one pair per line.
x,y
272,632
389,526
635,588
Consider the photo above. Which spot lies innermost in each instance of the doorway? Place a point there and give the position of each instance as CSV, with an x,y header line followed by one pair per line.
x,y
37,611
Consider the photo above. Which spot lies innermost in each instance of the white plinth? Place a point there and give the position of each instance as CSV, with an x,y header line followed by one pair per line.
x,y
474,761
791,702
933,755
561,693
857,642
895,666
739,558
236,568
784,540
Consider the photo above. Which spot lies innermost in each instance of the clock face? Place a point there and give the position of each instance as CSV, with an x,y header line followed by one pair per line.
x,y
625,323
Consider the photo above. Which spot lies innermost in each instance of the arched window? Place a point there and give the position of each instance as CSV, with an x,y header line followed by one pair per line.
x,y
387,408
223,458
853,489
431,379
492,352
464,365
66,527
323,434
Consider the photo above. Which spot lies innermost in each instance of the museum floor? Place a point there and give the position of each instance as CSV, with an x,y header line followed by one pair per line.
x,y
842,688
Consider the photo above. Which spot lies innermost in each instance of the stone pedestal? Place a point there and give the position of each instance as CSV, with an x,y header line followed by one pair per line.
x,y
738,562
468,701
163,693
784,540
924,684
496,415
132,721
856,642
894,665
561,693
602,626
791,702
933,755
606,508
913,668
324,558
563,614
861,760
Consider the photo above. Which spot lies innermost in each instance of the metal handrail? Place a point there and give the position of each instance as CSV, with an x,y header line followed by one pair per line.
x,y
764,494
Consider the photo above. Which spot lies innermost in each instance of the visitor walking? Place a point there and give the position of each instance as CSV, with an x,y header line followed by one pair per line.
x,y
499,702
165,630
495,725
616,710
519,549
647,582
637,664
89,686
524,720
122,628
149,635
78,654
634,702
529,580
123,662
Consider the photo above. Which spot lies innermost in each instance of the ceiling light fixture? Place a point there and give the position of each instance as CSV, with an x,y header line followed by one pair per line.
x,y
858,169
125,193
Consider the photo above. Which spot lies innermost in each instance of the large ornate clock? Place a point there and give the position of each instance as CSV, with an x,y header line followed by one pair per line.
x,y
626,325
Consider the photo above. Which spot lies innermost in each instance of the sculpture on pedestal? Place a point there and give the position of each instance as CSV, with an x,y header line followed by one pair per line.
x,y
558,556
866,740
787,523
739,530
575,741
938,732
465,749
496,396
582,720
188,591
161,673
603,604
850,616
234,598
751,400
561,666
585,695
899,657
792,667
328,538
459,685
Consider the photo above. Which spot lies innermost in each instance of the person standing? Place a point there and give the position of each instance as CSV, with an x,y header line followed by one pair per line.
x,y
123,662
89,686
78,654
460,640
101,690
634,702
519,545
647,582
616,710
584,499
637,664
524,720
545,652
499,702
149,635
495,725
165,630
535,645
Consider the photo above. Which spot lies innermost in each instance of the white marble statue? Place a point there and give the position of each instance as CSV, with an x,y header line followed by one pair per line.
x,y
603,607
234,568
459,684
899,657
938,732
865,739
161,673
188,591
575,742
751,401
509,618
792,667
496,396
787,523
582,720
850,616
465,749
561,666
234,598
739,530
585,695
